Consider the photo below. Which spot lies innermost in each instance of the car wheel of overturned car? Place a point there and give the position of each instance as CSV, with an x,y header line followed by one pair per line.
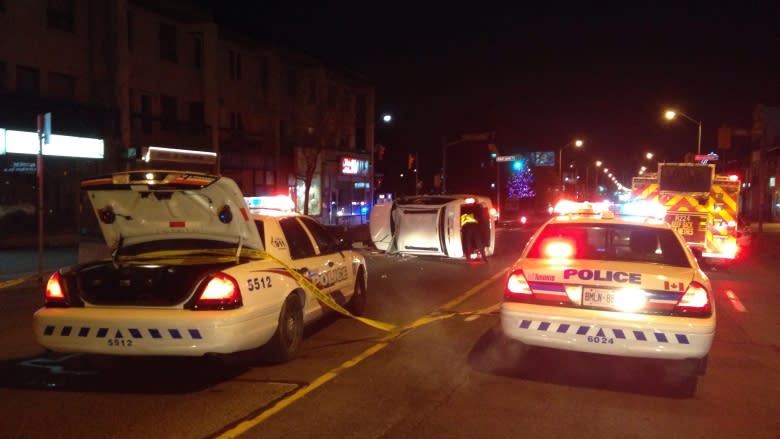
x,y
357,304
286,342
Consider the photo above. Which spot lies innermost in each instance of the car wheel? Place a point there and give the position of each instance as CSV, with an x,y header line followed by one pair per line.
x,y
357,304
286,342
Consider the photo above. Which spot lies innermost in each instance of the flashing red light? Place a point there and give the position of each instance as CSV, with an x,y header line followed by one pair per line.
x,y
54,294
523,219
733,177
470,200
558,249
695,302
221,292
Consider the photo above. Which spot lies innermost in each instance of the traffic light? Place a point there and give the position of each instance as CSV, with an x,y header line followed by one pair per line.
x,y
493,149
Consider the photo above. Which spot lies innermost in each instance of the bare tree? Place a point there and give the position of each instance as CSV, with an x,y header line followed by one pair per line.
x,y
321,134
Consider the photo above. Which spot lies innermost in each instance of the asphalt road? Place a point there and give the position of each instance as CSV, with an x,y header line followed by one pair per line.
x,y
448,374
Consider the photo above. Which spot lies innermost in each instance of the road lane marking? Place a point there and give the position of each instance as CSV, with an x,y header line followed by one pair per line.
x,y
318,382
735,302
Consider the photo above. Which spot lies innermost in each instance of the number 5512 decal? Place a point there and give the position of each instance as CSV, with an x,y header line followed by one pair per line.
x,y
257,283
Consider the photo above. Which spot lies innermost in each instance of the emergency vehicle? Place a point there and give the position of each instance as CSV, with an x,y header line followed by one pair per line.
x,y
592,281
430,224
189,273
702,206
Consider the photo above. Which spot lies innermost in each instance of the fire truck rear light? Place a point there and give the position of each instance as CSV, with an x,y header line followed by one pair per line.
x,y
54,295
517,285
695,302
221,292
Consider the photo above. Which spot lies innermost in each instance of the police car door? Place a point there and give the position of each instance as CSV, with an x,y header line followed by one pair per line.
x,y
336,274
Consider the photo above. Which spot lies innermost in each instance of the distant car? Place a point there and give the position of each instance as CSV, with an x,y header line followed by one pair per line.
x,y
590,281
430,224
188,273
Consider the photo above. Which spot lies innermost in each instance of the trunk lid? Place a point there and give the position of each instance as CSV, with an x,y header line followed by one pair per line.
x,y
137,207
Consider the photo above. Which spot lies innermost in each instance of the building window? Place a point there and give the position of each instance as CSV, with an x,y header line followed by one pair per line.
x,y
292,83
61,15
3,76
197,53
130,31
333,96
168,112
236,123
62,86
346,102
312,91
197,117
264,75
146,113
168,42
27,81
234,67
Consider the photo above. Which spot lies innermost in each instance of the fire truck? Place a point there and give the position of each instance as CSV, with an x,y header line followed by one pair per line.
x,y
701,205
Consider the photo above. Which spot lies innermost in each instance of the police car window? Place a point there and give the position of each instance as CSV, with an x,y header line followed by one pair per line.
x,y
261,230
614,242
297,240
324,240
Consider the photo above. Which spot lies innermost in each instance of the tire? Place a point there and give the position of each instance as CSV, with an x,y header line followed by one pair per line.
x,y
286,342
357,303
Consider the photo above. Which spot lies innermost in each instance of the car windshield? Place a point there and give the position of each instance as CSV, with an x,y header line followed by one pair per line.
x,y
612,242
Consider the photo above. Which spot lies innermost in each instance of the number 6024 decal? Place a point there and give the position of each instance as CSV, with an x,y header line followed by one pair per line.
x,y
257,283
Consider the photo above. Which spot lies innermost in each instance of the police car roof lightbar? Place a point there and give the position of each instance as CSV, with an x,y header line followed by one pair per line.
x,y
274,202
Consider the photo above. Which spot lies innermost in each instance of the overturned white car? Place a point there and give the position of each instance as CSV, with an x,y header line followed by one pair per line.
x,y
430,224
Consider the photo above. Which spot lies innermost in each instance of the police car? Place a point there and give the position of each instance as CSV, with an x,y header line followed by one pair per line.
x,y
190,274
592,281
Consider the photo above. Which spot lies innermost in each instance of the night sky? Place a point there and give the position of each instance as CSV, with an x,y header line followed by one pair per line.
x,y
540,76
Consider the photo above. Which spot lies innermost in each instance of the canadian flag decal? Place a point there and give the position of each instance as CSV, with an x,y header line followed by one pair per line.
x,y
674,286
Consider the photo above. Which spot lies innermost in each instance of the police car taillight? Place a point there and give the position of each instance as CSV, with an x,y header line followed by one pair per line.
x,y
517,286
54,295
695,302
220,292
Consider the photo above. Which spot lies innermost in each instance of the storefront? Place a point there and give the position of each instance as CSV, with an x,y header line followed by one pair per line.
x,y
347,188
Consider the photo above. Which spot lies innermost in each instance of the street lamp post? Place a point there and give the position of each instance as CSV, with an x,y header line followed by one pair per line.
x,y
577,143
671,114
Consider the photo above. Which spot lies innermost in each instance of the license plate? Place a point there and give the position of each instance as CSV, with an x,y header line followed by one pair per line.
x,y
598,297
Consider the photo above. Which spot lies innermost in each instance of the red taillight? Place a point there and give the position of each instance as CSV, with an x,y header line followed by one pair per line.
x,y
517,286
695,302
54,295
221,292
558,249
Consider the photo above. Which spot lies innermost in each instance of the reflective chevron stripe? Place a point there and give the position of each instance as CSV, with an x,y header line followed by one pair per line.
x,y
134,333
623,334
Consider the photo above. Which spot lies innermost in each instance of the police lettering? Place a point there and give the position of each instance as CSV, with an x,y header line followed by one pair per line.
x,y
608,275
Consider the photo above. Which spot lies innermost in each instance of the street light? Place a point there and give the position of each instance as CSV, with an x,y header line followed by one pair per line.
x,y
577,143
671,114
649,155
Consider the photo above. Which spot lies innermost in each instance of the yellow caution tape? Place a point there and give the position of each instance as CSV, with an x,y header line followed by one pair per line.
x,y
179,257
14,282
328,300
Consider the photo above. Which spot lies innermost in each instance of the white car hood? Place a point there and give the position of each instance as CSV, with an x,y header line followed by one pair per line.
x,y
142,206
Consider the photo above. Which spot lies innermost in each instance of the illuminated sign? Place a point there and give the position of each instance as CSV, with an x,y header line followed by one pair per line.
x,y
353,166
27,142
161,154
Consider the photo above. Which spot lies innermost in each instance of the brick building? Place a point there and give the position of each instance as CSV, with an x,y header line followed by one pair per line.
x,y
140,73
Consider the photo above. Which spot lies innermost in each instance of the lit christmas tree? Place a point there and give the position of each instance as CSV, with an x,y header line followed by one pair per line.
x,y
520,183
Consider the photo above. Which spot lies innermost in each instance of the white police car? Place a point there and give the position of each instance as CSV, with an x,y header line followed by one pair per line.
x,y
189,274
590,281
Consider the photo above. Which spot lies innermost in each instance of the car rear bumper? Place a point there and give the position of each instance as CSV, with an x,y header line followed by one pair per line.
x,y
610,333
151,332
